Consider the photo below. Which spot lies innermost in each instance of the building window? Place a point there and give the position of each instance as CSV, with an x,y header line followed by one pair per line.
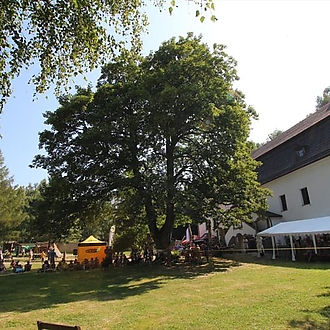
x,y
283,202
305,196
301,152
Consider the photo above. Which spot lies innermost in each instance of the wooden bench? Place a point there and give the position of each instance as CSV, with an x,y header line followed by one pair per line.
x,y
53,326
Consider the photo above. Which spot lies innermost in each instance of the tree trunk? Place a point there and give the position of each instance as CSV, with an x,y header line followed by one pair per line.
x,y
162,236
166,230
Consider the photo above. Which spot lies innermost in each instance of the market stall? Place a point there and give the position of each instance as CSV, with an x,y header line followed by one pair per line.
x,y
91,248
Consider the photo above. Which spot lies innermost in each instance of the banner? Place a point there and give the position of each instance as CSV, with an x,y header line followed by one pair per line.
x,y
112,234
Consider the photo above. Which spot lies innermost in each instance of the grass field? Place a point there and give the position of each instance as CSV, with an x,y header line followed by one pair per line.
x,y
238,292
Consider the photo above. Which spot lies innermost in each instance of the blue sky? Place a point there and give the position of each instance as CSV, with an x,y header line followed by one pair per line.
x,y
282,51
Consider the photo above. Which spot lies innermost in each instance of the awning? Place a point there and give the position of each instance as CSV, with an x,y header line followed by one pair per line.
x,y
27,247
91,241
312,227
299,227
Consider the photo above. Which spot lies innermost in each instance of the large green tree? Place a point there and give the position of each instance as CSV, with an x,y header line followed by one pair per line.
x,y
273,135
63,38
170,128
50,214
54,215
12,203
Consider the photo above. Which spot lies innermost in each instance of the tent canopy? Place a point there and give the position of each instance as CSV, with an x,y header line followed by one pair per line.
x,y
299,227
91,241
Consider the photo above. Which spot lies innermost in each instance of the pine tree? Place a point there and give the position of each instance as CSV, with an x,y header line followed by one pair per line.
x,y
12,201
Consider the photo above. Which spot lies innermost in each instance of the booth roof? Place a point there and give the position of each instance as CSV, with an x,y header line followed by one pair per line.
x,y
299,227
93,240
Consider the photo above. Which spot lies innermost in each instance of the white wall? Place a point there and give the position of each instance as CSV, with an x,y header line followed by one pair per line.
x,y
316,177
202,229
245,229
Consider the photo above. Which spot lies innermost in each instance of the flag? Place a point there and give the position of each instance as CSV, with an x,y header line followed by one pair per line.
x,y
189,234
111,234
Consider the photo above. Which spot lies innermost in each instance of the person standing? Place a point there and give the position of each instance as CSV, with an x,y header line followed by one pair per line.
x,y
51,256
206,251
30,255
2,267
260,247
245,244
43,256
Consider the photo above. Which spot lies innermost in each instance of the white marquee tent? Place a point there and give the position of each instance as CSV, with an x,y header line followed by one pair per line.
x,y
311,227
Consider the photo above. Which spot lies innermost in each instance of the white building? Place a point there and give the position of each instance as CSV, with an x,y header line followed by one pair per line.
x,y
296,168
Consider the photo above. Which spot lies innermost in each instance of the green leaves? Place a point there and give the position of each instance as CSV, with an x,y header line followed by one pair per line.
x,y
12,201
324,99
66,38
208,6
213,18
202,18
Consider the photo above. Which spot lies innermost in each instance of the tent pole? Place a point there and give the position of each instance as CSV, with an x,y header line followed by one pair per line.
x,y
292,250
258,246
273,244
314,242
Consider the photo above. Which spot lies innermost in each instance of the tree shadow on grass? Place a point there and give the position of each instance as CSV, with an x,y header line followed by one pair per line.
x,y
308,323
189,270
267,260
32,291
327,294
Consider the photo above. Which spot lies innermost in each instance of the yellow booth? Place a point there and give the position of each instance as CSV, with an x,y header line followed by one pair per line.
x,y
91,248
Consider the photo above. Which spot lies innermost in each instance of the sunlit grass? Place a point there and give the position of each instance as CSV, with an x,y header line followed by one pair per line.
x,y
243,292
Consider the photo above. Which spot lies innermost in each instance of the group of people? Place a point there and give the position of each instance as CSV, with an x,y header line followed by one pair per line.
x,y
65,265
86,264
49,265
9,254
15,266
193,252
117,259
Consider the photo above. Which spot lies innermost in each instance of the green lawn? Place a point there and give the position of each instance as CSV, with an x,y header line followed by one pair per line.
x,y
238,292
